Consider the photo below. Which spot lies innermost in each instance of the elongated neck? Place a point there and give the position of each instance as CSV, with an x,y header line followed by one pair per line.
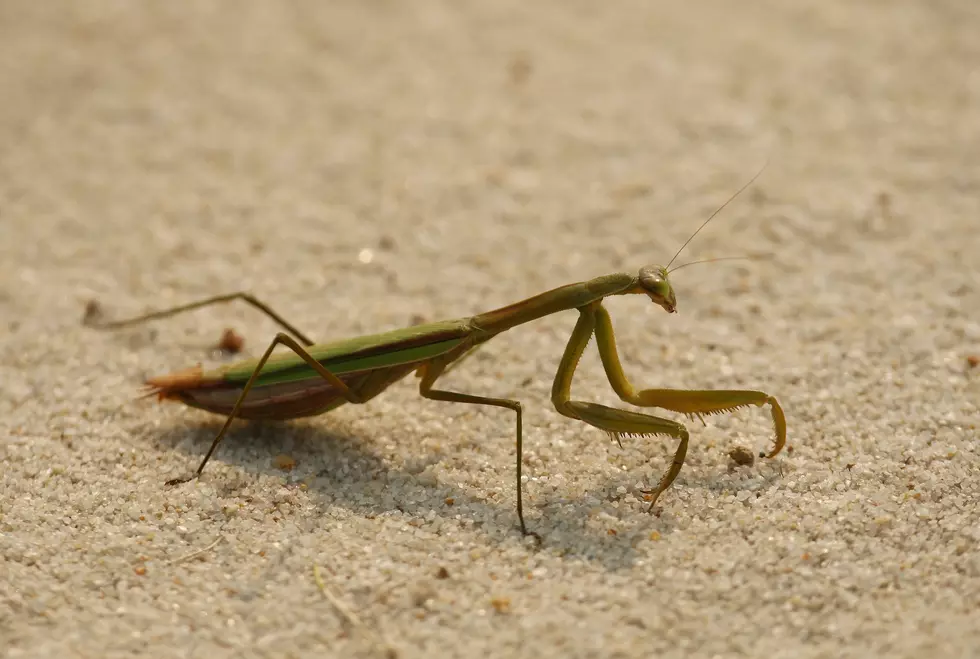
x,y
558,299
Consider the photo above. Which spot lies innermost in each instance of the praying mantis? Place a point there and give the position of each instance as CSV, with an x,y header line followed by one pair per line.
x,y
315,378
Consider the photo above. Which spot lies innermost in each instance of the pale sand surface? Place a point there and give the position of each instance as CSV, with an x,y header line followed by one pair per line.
x,y
475,154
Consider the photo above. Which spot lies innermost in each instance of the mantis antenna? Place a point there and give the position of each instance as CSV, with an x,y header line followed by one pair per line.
x,y
717,210
747,257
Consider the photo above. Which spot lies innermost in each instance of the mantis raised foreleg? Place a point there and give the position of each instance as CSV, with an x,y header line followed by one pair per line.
x,y
594,319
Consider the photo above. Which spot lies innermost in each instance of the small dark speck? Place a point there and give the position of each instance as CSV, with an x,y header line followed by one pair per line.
x,y
519,69
231,342
442,573
742,456
93,313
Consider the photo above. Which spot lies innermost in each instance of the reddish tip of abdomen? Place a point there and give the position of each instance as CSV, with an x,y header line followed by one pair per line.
x,y
173,384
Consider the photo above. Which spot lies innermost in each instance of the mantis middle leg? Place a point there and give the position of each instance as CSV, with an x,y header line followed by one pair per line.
x,y
431,373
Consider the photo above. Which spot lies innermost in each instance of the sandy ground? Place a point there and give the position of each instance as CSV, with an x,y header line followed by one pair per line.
x,y
365,166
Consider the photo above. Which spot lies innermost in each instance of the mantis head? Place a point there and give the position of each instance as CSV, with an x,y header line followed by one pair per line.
x,y
653,281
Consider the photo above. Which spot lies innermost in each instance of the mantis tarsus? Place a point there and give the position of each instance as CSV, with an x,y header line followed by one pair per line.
x,y
317,378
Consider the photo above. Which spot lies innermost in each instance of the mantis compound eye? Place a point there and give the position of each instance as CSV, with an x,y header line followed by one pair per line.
x,y
652,275
653,280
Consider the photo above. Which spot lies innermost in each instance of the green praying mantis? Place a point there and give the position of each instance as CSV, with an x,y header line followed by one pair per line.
x,y
315,378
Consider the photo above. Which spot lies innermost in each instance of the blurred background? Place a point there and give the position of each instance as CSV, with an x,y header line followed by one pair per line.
x,y
368,165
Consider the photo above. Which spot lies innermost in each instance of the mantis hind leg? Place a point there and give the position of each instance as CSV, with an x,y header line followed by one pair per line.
x,y
431,373
614,421
217,299
288,341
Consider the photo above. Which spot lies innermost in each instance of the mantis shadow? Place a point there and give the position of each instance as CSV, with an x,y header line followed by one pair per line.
x,y
351,473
